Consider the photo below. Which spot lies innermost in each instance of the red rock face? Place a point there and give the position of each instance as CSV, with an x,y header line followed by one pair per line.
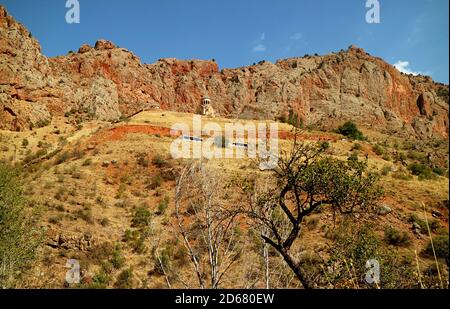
x,y
107,82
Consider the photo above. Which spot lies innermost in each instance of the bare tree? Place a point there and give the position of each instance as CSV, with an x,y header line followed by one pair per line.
x,y
305,180
207,228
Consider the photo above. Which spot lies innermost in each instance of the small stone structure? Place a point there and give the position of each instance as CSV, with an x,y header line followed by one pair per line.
x,y
207,108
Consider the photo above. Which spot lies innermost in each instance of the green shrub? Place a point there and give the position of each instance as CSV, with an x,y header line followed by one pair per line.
x,y
117,259
155,182
162,206
401,156
353,246
104,222
433,224
353,157
142,160
402,175
139,245
99,253
85,214
440,247
121,191
395,237
417,169
107,267
141,217
162,261
25,142
87,162
129,235
422,171
439,171
350,130
379,150
325,145
442,92
63,157
356,146
387,157
386,170
125,279
418,156
100,281
159,161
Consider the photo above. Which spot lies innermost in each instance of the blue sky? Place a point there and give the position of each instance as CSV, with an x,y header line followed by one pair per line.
x,y
412,33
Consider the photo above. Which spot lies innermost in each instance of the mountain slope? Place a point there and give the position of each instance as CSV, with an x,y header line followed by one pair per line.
x,y
106,82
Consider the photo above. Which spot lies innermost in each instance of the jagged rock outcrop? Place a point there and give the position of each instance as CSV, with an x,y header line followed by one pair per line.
x,y
25,82
107,82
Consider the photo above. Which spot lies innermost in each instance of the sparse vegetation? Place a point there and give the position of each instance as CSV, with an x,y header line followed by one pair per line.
x,y
141,217
125,279
350,130
162,206
76,190
378,150
142,160
87,162
155,182
117,259
422,171
159,161
314,180
394,237
355,245
19,235
440,244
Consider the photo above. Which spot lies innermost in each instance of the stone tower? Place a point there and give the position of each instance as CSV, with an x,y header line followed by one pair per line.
x,y
207,108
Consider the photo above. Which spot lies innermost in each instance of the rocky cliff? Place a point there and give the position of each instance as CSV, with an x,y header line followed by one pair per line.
x,y
107,82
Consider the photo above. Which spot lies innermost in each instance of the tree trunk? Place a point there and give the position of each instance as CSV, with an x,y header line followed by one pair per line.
x,y
296,269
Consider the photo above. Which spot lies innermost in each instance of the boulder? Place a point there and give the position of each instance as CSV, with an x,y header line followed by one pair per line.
x,y
104,44
84,49
383,210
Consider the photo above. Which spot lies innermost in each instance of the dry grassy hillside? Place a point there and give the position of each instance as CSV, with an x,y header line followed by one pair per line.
x,y
105,195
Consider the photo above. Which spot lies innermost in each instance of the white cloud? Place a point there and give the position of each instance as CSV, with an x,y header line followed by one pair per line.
x,y
403,66
296,36
259,48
